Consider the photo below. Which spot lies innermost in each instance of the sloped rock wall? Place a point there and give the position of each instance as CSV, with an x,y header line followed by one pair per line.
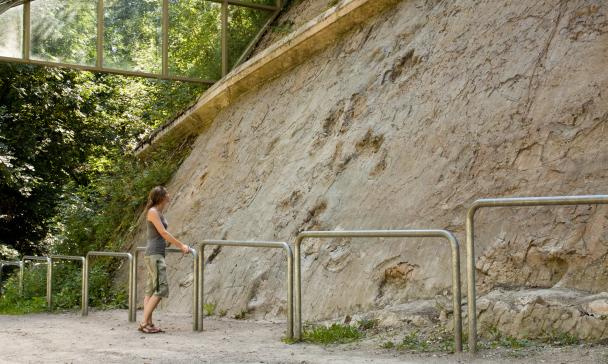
x,y
403,124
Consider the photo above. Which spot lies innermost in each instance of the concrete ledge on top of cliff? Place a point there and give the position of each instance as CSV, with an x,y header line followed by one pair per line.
x,y
283,55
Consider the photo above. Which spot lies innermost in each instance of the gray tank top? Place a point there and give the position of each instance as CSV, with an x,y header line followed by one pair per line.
x,y
156,243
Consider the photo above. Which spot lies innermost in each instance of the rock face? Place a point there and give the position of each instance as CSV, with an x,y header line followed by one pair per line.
x,y
402,124
545,312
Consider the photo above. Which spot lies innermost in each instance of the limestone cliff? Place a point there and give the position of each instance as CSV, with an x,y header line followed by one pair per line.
x,y
402,124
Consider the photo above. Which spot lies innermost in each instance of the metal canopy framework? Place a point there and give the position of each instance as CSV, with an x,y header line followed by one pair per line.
x,y
270,9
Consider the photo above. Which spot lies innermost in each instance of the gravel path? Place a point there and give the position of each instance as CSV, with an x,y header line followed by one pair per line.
x,y
106,336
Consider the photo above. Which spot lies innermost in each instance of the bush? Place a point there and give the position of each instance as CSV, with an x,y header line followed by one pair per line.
x,y
67,288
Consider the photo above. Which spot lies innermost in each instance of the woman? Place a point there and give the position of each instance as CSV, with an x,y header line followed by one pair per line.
x,y
157,286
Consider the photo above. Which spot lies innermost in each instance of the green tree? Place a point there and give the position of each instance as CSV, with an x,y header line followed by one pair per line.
x,y
64,134
50,124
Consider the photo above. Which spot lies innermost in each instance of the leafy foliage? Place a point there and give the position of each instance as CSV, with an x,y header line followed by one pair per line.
x,y
66,295
50,124
60,131
68,183
105,213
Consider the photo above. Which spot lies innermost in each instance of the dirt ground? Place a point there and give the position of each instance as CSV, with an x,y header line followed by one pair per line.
x,y
106,336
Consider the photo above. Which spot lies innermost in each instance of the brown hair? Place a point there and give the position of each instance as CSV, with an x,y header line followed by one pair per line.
x,y
156,196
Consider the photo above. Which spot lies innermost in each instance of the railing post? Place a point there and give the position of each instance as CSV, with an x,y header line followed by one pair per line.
x,y
471,294
289,291
82,286
132,313
298,289
85,287
134,282
201,284
49,283
196,306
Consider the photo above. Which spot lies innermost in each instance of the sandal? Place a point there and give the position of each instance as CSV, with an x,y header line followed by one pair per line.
x,y
149,329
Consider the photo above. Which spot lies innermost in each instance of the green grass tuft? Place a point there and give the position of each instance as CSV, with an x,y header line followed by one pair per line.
x,y
334,334
209,309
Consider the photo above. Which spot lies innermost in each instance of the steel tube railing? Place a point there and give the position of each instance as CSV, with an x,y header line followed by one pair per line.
x,y
128,256
17,263
196,309
507,202
49,274
75,258
416,233
249,244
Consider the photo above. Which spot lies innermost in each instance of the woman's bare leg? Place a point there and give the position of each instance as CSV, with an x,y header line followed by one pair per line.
x,y
149,307
146,299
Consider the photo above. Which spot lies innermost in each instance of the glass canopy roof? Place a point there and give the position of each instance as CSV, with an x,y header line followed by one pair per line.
x,y
187,40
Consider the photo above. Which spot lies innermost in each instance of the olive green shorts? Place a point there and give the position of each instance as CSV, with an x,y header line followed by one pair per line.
x,y
156,284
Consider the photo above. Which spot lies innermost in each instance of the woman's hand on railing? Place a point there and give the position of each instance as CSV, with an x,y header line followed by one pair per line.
x,y
185,249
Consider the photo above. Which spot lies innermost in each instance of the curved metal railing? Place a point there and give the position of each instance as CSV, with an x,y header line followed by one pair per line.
x,y
507,202
251,244
85,289
414,233
196,309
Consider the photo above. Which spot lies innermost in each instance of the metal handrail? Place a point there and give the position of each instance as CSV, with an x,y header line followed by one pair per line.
x,y
414,233
507,202
128,256
82,260
195,303
17,263
49,274
250,244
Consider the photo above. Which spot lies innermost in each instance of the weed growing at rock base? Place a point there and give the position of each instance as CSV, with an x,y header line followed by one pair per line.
x,y
334,334
209,309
